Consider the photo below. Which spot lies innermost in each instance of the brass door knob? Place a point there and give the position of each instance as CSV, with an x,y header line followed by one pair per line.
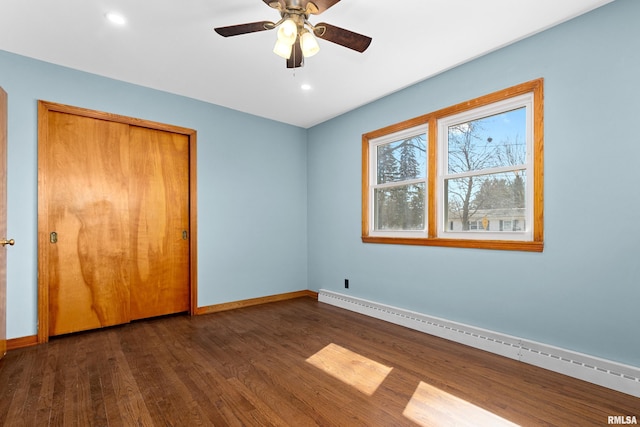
x,y
5,242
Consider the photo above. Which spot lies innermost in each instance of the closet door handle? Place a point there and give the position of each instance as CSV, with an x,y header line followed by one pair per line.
x,y
185,235
53,237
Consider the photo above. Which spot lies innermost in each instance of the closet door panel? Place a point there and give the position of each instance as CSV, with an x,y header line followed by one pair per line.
x,y
159,218
88,219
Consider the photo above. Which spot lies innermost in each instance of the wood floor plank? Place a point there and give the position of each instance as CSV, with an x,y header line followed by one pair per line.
x,y
289,363
123,402
13,386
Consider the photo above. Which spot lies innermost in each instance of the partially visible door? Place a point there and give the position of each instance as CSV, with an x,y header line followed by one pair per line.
x,y
3,221
159,217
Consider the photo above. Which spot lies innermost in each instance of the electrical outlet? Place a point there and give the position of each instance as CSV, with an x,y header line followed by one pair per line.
x,y
346,283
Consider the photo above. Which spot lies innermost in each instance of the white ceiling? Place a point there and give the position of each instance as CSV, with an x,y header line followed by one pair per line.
x,y
170,45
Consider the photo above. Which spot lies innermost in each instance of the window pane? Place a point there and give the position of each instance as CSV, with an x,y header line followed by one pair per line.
x,y
402,160
486,202
494,141
400,208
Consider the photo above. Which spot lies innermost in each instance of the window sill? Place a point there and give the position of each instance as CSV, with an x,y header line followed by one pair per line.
x,y
503,245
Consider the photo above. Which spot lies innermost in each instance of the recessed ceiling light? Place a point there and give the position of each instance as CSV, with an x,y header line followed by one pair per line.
x,y
305,87
116,18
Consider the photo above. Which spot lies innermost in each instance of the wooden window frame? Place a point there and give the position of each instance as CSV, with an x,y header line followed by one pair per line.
x,y
536,242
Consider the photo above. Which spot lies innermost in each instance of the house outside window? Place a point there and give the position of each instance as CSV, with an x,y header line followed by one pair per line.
x,y
469,175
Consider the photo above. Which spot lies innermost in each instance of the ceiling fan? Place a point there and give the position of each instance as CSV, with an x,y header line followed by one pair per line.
x,y
296,39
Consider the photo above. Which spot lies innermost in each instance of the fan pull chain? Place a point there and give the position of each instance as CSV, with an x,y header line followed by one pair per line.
x,y
294,58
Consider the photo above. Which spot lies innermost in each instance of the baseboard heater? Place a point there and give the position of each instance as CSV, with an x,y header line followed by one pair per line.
x,y
606,373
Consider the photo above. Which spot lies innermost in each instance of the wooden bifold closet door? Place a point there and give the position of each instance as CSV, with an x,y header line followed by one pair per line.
x,y
116,243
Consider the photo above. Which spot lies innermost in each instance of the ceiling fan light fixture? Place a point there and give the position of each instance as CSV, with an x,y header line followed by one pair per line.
x,y
282,49
288,32
296,36
309,44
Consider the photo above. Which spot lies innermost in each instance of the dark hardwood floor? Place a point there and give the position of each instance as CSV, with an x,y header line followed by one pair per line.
x,y
291,363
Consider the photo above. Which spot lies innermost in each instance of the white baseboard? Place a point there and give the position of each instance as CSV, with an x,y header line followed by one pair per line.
x,y
606,373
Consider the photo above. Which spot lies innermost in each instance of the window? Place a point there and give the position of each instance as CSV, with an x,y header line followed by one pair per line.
x,y
506,225
468,176
399,183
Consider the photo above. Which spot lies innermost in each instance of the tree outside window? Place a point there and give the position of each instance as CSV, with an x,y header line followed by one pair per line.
x,y
399,193
486,169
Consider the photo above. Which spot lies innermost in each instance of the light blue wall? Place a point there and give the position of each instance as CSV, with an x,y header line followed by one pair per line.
x,y
583,292
252,190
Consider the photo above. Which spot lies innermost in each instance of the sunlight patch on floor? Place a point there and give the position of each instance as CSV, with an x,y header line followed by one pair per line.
x,y
431,406
351,368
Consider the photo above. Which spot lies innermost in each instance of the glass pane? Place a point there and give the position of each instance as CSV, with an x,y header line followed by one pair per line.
x,y
402,160
489,142
486,202
400,208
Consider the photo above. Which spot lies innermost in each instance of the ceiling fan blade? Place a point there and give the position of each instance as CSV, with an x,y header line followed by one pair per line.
x,y
295,60
252,27
276,4
342,37
319,6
